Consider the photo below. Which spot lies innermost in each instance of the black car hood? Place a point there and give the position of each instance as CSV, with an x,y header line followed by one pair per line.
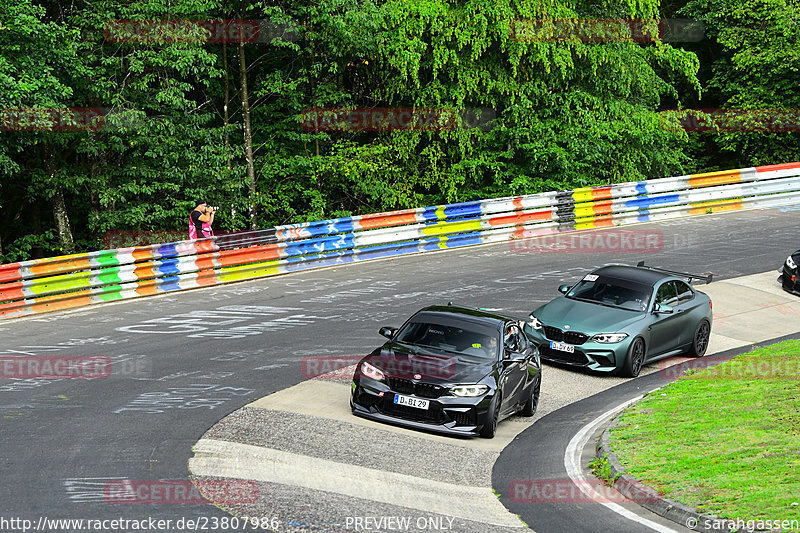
x,y
430,365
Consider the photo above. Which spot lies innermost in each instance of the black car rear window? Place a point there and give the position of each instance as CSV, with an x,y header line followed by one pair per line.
x,y
612,292
470,339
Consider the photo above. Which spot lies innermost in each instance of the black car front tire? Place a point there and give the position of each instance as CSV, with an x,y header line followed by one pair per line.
x,y
700,340
490,427
635,358
529,409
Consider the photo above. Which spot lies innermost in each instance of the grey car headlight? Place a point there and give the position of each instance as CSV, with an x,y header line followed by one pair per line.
x,y
469,390
534,323
610,338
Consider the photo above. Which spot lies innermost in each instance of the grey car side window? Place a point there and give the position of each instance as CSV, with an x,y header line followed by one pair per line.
x,y
667,294
685,292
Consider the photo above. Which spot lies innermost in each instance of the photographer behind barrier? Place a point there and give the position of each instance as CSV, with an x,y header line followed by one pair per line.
x,y
200,220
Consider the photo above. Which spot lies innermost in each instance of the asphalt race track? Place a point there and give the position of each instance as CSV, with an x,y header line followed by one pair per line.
x,y
184,361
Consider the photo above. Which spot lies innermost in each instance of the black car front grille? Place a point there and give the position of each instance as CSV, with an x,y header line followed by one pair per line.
x,y
557,355
423,390
570,337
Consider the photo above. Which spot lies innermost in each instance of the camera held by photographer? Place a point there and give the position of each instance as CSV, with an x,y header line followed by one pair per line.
x,y
200,220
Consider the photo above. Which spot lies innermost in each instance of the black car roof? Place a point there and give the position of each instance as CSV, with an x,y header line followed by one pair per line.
x,y
465,313
638,274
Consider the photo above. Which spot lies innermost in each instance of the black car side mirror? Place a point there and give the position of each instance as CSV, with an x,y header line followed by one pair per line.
x,y
563,289
387,332
661,309
513,357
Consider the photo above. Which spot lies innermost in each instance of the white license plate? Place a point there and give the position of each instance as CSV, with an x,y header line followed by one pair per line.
x,y
562,347
399,399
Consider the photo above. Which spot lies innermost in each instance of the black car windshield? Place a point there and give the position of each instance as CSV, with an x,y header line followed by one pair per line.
x,y
467,339
612,292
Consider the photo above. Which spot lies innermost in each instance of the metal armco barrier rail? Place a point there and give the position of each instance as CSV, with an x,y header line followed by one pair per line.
x,y
71,281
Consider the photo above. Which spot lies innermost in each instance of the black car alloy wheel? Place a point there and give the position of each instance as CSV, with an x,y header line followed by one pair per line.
x,y
700,342
529,409
635,358
490,427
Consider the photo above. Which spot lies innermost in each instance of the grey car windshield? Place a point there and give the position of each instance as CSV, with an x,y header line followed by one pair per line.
x,y
612,292
472,340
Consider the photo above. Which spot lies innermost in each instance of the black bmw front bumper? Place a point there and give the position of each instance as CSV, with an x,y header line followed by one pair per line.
x,y
446,414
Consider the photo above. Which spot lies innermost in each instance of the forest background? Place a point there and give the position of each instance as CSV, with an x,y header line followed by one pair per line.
x,y
118,115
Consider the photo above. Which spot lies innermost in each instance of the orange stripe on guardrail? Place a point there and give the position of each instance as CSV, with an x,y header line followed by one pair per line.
x,y
602,193
708,179
11,291
784,166
716,206
520,218
255,254
383,220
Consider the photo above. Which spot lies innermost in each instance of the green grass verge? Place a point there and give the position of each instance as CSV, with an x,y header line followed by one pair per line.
x,y
601,468
725,439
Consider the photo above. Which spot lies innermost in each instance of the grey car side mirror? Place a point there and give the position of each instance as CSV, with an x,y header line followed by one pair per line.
x,y
661,309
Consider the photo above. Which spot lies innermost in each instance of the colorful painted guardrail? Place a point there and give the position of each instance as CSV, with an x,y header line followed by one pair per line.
x,y
64,282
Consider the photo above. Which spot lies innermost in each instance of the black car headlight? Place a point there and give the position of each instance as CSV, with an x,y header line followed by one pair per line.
x,y
609,338
372,372
469,391
790,262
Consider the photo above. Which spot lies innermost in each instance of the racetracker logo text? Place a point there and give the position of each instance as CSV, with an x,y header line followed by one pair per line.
x,y
407,367
569,491
181,492
55,367
605,241
394,119
732,120
589,30
51,118
715,367
195,31
67,119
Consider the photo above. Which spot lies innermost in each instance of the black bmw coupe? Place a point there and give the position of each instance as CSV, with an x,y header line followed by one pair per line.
x,y
450,370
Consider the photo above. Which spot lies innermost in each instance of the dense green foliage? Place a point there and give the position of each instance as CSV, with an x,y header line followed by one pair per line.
x,y
553,113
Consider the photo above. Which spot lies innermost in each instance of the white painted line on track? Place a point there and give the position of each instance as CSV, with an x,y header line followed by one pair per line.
x,y
572,462
215,458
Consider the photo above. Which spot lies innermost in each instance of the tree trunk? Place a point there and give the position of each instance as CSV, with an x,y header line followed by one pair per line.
x,y
248,138
62,222
226,116
226,119
59,205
